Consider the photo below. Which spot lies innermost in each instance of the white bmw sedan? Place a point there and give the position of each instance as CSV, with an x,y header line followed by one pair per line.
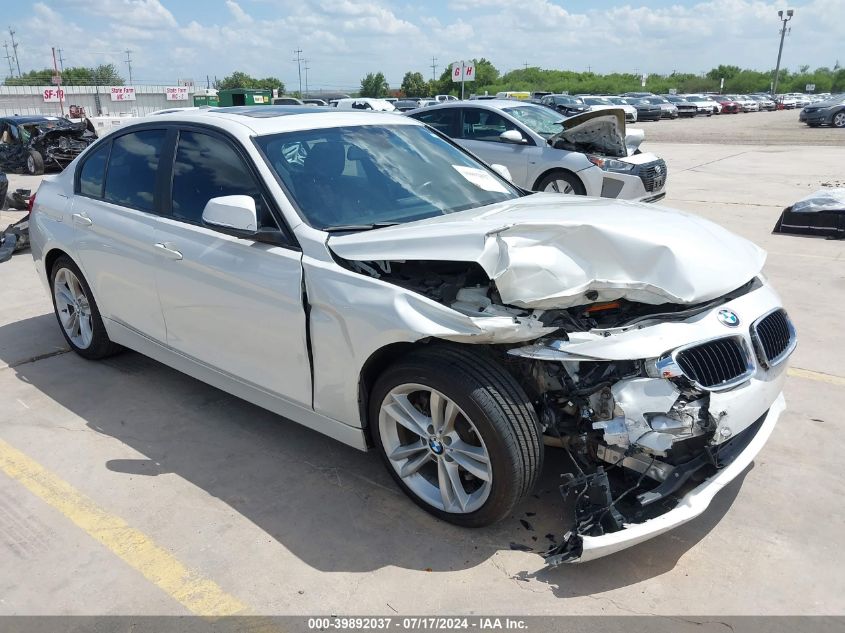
x,y
364,276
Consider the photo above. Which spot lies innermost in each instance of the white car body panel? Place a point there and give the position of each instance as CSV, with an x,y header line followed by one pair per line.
x,y
546,253
309,315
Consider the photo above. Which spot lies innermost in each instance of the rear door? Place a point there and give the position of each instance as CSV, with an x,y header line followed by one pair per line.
x,y
233,304
113,214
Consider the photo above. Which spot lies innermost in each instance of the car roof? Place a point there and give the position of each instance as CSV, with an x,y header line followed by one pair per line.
x,y
487,104
270,119
21,119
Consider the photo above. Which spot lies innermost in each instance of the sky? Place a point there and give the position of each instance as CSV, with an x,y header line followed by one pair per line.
x,y
345,39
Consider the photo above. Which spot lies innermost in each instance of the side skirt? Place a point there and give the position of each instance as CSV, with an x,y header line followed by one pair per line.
x,y
127,337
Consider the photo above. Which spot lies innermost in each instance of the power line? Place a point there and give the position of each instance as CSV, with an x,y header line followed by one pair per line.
x,y
129,64
298,60
15,50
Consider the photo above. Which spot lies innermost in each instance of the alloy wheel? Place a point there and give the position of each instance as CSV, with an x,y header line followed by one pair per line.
x,y
839,119
435,448
73,308
560,186
30,164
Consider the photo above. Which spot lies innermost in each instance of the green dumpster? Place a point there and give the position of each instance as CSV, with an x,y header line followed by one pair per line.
x,y
245,96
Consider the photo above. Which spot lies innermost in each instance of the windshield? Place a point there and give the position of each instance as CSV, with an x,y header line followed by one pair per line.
x,y
596,101
543,121
655,100
365,175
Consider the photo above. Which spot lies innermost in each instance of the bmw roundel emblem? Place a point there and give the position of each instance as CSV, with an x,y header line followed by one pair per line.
x,y
728,318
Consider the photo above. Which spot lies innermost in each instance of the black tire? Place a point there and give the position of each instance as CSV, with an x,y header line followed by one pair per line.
x,y
572,180
838,119
497,406
34,163
101,346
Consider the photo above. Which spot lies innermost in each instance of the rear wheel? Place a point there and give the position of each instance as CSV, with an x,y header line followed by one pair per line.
x,y
561,182
77,312
839,119
457,433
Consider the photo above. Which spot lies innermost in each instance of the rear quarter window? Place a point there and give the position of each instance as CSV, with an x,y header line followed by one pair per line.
x,y
133,165
93,171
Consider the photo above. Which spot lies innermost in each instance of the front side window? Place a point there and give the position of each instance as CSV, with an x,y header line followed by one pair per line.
x,y
93,172
364,175
207,167
133,164
484,125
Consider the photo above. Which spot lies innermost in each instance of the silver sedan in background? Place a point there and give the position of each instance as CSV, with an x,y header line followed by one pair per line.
x,y
588,154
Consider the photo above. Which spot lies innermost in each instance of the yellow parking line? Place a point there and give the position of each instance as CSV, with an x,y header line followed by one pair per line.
x,y
198,594
797,372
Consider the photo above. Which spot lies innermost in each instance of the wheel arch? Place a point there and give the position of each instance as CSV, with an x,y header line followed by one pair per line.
x,y
561,170
372,368
50,258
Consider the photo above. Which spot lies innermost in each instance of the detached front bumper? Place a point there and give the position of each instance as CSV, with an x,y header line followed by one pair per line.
x,y
690,506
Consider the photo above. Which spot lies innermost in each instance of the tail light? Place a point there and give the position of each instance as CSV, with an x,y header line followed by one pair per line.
x,y
30,203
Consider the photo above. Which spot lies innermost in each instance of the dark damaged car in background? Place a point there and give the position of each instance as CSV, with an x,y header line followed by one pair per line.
x,y
35,144
404,296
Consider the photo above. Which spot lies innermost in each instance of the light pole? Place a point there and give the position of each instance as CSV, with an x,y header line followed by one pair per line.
x,y
789,14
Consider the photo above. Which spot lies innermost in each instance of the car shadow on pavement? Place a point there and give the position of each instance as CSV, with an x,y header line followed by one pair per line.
x,y
332,506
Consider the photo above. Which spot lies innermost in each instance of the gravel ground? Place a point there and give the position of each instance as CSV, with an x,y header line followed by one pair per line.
x,y
752,128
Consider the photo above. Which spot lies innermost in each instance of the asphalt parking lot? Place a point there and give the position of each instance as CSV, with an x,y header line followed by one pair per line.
x,y
128,488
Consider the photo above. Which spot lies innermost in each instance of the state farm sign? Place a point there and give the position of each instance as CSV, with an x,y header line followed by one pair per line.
x,y
122,93
176,93
53,95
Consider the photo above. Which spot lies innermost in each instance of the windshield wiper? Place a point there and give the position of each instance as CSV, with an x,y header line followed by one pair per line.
x,y
357,227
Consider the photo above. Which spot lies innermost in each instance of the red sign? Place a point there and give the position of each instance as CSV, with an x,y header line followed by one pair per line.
x,y
53,95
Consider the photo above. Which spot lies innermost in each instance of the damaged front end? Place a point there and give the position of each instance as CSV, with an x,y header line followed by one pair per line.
x,y
657,377
650,440
58,146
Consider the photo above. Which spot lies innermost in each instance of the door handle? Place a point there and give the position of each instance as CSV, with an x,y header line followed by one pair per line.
x,y
81,219
167,249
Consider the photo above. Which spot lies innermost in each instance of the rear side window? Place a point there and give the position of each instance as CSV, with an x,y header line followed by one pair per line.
x,y
131,176
93,171
207,167
443,120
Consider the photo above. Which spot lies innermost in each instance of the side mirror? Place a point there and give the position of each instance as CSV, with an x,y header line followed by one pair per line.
x,y
234,215
512,136
503,171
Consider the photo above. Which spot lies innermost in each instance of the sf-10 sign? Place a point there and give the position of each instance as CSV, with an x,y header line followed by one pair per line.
x,y
122,93
462,71
177,93
53,95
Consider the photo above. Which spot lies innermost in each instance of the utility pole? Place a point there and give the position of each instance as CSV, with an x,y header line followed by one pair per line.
x,y
9,59
298,60
129,64
15,50
307,68
58,81
434,68
525,65
61,61
783,32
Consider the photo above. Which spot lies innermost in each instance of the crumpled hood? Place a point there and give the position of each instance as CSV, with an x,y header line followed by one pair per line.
x,y
548,251
600,131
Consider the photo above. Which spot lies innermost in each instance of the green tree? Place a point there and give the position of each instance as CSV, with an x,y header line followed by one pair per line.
x,y
103,75
240,79
374,85
838,81
414,85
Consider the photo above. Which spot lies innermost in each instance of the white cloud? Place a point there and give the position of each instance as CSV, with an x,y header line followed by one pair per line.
x,y
238,13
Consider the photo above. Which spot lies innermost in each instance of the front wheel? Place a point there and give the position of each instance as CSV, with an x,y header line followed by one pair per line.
x,y
457,433
34,163
77,312
561,182
839,119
